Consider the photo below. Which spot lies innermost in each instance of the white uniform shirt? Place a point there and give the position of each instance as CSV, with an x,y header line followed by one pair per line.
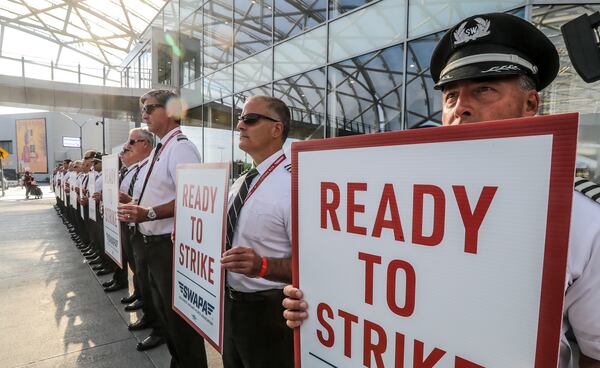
x,y
99,182
265,223
160,188
126,180
581,310
139,183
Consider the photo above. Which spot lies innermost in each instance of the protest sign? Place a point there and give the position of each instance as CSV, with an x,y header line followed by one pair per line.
x,y
198,279
91,190
439,247
110,198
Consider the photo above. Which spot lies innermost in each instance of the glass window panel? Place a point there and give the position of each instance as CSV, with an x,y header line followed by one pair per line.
x,y
338,7
187,7
366,93
191,94
423,103
257,69
164,64
171,16
375,26
241,160
304,94
253,26
190,41
219,84
217,34
192,127
569,92
146,68
217,117
433,15
301,53
293,16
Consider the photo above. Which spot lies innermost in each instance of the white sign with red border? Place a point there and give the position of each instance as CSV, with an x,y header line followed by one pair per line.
x,y
198,280
442,247
72,192
91,188
110,198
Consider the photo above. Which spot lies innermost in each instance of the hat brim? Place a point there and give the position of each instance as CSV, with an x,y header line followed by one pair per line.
x,y
481,70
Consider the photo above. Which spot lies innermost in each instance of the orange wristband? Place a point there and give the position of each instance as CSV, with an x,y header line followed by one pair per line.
x,y
263,267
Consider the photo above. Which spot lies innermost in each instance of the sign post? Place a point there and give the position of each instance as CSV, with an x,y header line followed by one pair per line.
x,y
427,247
198,280
110,197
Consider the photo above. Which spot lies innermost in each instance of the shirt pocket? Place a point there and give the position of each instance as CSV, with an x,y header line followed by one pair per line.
x,y
264,223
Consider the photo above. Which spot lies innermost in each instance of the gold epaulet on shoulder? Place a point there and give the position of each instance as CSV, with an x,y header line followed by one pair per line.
x,y
288,167
182,137
588,188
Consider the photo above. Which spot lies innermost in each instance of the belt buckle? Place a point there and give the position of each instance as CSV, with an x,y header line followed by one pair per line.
x,y
230,293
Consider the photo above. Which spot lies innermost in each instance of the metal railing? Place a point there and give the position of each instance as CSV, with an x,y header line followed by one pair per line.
x,y
48,70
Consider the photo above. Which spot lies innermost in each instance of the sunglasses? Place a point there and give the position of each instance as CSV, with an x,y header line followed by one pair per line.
x,y
254,118
148,109
134,141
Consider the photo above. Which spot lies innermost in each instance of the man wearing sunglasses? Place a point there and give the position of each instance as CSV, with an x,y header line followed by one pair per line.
x,y
140,145
494,71
258,255
161,111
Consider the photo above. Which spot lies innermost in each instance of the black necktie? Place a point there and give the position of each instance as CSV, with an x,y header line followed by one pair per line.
x,y
154,157
236,208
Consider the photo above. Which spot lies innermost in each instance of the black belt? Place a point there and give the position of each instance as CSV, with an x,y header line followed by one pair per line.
x,y
257,296
149,239
132,229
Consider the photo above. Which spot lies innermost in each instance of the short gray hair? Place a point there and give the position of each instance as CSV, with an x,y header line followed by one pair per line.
x,y
144,134
526,83
279,108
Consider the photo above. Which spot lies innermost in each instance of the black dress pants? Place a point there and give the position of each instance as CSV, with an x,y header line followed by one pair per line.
x,y
185,344
255,333
143,285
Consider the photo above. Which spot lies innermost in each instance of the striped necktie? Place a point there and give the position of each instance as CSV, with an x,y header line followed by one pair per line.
x,y
133,180
236,208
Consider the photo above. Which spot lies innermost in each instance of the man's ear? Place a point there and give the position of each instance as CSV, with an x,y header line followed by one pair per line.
x,y
277,130
532,103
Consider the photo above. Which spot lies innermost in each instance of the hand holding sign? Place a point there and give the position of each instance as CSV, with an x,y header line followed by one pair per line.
x,y
242,260
295,306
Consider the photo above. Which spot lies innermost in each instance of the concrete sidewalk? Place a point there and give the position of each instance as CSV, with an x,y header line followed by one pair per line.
x,y
54,312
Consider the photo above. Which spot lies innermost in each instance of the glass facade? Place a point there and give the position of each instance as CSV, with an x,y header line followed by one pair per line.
x,y
343,67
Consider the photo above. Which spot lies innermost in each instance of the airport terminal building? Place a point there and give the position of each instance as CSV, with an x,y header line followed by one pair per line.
x,y
343,66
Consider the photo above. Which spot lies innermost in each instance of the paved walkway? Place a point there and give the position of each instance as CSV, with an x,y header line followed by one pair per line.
x,y
53,311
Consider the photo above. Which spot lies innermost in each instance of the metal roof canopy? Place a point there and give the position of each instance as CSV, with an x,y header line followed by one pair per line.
x,y
95,34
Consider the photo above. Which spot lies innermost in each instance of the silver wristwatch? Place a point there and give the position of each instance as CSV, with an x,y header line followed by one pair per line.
x,y
151,214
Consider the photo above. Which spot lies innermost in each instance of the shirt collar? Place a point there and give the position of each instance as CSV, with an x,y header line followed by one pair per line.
x,y
263,166
169,134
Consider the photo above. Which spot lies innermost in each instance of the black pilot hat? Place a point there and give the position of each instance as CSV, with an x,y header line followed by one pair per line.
x,y
495,44
97,156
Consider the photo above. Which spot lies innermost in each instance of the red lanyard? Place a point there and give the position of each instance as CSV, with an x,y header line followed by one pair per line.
x,y
264,176
178,131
